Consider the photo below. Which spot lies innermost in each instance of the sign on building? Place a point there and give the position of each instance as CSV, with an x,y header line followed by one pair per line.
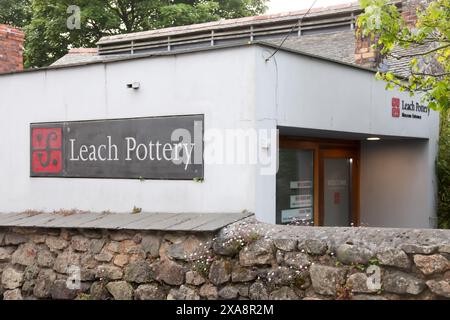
x,y
138,148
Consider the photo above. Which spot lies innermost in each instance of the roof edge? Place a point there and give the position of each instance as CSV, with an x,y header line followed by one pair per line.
x,y
187,51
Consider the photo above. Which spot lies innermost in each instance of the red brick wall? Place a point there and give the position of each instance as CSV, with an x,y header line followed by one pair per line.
x,y
11,49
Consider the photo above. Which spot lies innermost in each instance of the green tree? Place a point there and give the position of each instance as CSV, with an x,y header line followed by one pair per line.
x,y
16,13
425,46
48,36
443,172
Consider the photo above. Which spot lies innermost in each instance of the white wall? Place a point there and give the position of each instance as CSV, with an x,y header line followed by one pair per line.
x,y
234,88
219,84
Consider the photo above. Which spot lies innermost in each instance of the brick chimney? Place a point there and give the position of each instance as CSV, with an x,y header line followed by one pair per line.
x,y
11,49
368,57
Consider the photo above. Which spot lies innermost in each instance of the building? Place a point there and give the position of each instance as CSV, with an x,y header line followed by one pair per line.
x,y
81,134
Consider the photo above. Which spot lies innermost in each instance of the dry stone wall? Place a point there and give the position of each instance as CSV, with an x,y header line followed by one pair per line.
x,y
247,260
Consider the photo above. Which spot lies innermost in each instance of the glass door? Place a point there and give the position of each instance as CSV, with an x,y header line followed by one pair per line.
x,y
317,182
339,187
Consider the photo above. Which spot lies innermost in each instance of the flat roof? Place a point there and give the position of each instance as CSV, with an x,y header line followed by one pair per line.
x,y
192,222
194,50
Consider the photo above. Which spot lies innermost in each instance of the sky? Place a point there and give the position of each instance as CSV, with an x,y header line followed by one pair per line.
x,y
276,6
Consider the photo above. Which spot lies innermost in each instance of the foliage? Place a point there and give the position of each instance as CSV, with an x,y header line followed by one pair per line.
x,y
48,37
443,173
16,13
426,46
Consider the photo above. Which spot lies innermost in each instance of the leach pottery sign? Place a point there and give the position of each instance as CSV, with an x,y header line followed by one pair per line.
x,y
138,148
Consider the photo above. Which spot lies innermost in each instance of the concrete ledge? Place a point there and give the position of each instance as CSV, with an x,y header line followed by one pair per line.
x,y
196,222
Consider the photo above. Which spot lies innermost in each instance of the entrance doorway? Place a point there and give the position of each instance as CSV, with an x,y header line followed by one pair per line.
x,y
318,182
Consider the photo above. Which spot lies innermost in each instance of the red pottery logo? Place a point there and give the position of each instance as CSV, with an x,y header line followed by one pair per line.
x,y
46,150
395,107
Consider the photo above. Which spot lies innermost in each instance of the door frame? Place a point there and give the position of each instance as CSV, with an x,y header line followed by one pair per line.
x,y
330,146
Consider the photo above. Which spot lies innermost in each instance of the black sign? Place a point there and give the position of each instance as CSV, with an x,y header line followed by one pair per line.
x,y
139,148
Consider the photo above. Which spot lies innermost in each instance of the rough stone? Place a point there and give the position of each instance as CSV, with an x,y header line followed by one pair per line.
x,y
150,245
394,258
258,291
15,294
15,238
445,248
284,293
98,291
419,249
229,292
91,233
351,254
31,272
80,243
316,246
96,246
297,260
259,252
45,258
240,274
243,289
285,244
109,272
38,238
367,297
169,272
87,274
121,260
88,261
44,283
60,291
104,256
188,249
226,247
183,293
357,282
65,260
120,290
194,278
281,276
208,291
326,280
220,272
11,278
441,288
25,255
130,247
431,264
402,283
28,286
113,246
121,235
149,292
5,254
138,272
56,243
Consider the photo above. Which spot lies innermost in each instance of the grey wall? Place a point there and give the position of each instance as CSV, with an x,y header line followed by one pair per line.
x,y
304,92
397,184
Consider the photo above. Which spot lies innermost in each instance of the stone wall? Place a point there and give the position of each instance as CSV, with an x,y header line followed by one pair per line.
x,y
247,260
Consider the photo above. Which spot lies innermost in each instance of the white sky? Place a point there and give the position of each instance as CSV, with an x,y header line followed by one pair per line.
x,y
276,6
